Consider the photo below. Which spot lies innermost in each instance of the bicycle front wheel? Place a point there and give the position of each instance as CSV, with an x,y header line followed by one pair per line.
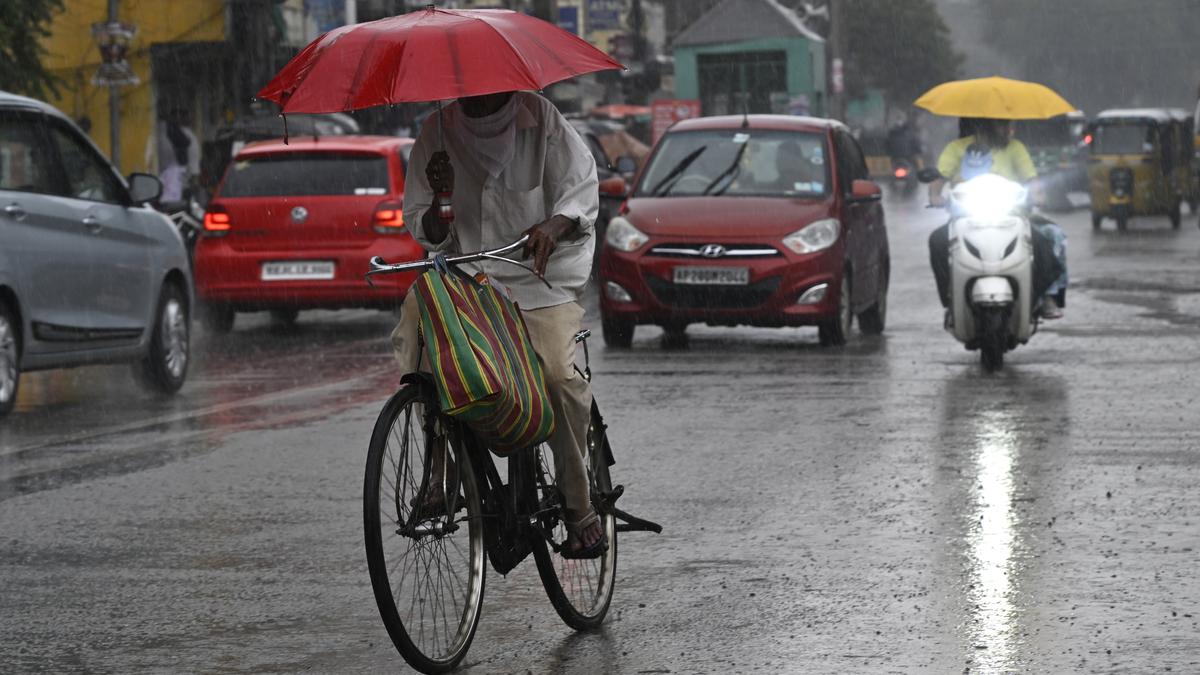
x,y
424,533
580,590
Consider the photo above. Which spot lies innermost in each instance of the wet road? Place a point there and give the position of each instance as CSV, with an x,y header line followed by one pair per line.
x,y
883,507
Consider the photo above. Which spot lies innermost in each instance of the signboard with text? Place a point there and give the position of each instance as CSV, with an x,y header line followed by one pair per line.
x,y
568,19
665,112
604,15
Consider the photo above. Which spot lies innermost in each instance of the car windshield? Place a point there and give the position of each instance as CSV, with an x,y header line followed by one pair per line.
x,y
738,162
1122,139
297,174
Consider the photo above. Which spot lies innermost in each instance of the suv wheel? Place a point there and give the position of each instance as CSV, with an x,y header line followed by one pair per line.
x,y
165,366
10,358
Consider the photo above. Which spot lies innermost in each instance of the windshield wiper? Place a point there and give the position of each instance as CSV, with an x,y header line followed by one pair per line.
x,y
731,171
661,188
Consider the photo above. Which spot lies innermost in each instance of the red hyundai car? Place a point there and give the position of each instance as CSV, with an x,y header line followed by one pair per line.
x,y
759,220
293,226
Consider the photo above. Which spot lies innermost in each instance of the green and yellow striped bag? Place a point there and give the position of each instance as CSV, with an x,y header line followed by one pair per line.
x,y
483,363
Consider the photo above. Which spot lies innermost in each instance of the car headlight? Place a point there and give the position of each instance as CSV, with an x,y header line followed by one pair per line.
x,y
623,236
816,236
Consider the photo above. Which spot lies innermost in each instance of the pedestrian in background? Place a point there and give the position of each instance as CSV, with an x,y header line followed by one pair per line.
x,y
173,154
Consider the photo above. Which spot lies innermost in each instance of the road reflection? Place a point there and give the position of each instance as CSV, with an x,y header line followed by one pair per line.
x,y
998,424
991,544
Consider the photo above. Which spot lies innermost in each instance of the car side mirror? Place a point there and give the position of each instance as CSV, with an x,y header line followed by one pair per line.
x,y
614,187
626,165
928,175
144,188
864,191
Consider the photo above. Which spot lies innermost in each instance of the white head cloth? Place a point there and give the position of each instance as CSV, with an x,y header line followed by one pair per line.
x,y
491,140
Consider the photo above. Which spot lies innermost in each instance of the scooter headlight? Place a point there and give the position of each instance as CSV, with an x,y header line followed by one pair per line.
x,y
989,196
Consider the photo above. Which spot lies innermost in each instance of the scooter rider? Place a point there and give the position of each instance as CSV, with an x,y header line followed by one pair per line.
x,y
991,149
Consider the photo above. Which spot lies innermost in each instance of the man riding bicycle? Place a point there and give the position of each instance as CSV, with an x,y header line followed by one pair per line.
x,y
515,167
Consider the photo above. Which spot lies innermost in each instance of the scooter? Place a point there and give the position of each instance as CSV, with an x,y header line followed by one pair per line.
x,y
991,267
188,217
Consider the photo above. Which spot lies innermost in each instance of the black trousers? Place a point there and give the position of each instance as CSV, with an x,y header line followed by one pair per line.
x,y
1045,266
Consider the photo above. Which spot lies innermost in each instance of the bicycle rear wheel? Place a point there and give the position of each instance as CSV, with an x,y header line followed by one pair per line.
x,y
425,552
580,590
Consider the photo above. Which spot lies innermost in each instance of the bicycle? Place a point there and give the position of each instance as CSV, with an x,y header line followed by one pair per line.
x,y
430,592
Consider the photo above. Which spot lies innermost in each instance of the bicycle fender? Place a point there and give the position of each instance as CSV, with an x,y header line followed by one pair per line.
x,y
598,423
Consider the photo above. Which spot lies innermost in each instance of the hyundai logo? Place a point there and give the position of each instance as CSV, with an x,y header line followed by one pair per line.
x,y
299,215
712,250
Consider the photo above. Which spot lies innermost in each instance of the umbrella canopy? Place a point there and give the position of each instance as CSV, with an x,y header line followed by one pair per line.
x,y
430,55
994,97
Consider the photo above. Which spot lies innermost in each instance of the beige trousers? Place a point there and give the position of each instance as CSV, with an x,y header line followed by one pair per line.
x,y
552,331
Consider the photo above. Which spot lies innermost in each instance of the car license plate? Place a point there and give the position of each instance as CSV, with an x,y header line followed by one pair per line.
x,y
297,269
713,276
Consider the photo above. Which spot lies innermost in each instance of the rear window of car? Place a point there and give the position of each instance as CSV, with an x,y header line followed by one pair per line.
x,y
300,174
737,162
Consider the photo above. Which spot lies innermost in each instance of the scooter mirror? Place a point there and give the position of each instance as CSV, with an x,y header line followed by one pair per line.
x,y
928,175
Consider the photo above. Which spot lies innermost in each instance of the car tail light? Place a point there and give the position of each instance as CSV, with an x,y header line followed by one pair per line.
x,y
901,172
217,220
389,218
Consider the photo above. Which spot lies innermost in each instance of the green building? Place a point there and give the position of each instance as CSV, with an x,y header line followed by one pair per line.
x,y
755,56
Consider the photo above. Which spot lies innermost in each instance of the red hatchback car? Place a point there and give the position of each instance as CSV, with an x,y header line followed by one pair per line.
x,y
293,227
762,220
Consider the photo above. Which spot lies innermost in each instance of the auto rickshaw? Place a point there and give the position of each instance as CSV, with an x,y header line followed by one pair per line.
x,y
1140,165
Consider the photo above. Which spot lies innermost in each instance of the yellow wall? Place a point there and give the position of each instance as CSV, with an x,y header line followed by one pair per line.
x,y
74,57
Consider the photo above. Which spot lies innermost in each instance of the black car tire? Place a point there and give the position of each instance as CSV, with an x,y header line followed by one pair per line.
x,y
165,366
10,358
284,317
675,336
833,333
874,319
217,320
617,334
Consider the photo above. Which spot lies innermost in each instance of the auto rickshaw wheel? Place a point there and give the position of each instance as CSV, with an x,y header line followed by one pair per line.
x,y
1096,218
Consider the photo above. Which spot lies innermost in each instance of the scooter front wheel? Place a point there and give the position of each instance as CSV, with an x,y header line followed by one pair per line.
x,y
993,331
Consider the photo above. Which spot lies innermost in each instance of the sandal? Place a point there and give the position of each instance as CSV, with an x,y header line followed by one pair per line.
x,y
572,549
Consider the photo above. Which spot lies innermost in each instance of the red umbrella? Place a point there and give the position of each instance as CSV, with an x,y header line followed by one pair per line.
x,y
430,55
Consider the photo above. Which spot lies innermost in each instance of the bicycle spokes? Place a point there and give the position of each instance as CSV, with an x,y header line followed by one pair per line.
x,y
431,546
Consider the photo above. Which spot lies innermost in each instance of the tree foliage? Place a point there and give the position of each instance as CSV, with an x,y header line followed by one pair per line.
x,y
23,23
900,48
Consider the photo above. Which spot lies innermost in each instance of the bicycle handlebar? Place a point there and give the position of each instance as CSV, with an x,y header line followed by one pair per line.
x,y
381,266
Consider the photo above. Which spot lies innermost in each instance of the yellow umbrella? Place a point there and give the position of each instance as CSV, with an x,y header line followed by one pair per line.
x,y
994,97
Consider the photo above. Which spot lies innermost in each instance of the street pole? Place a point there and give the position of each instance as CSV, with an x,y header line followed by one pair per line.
x,y
114,102
837,60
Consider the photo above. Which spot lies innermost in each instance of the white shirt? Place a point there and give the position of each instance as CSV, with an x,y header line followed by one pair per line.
x,y
552,172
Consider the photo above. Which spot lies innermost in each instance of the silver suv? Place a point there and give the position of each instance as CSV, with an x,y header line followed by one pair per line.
x,y
88,272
